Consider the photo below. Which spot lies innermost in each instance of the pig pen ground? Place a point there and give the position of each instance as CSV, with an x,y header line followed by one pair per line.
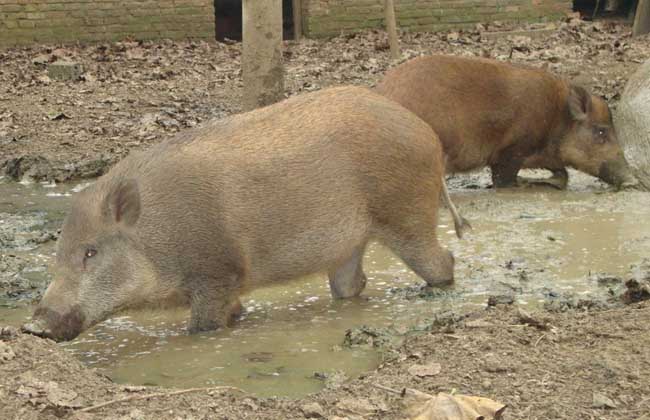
x,y
575,359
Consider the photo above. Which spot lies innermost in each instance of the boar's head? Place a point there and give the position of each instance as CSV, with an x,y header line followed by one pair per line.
x,y
590,143
100,265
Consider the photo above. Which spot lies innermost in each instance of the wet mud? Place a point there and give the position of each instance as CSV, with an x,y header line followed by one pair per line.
x,y
534,247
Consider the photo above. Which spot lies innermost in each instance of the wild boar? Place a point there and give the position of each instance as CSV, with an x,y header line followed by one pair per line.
x,y
507,117
252,200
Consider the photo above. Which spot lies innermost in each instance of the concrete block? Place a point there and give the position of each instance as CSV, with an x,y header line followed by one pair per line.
x,y
65,71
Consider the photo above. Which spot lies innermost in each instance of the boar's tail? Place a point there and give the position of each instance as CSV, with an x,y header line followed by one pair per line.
x,y
460,223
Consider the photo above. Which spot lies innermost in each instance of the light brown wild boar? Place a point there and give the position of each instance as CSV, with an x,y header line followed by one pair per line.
x,y
255,199
489,113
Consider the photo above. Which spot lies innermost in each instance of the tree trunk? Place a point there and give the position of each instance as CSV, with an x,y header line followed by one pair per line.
x,y
297,20
633,124
262,70
391,28
641,18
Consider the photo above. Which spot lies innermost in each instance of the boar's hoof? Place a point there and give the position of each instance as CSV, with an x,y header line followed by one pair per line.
x,y
202,326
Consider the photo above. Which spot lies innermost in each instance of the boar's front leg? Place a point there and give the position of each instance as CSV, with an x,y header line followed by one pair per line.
x,y
213,306
348,279
504,172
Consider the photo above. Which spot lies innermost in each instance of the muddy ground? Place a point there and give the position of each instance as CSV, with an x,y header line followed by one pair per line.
x,y
580,359
576,364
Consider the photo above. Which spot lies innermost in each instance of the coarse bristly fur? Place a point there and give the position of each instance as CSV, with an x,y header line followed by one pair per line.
x,y
255,199
507,117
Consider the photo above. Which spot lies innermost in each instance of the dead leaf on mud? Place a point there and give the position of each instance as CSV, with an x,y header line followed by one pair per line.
x,y
418,405
432,369
421,406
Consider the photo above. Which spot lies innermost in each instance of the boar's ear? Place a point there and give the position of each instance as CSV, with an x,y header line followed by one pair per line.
x,y
579,103
123,202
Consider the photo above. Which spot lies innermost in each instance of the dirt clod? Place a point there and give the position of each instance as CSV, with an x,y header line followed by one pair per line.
x,y
6,352
421,371
500,300
313,410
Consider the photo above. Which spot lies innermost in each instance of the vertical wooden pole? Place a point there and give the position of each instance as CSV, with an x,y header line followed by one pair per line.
x,y
641,18
262,70
391,28
297,20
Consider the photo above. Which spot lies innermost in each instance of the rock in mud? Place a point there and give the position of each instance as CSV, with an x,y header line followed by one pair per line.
x,y
367,336
65,70
423,292
633,123
495,300
7,333
445,322
38,168
562,302
333,380
636,291
32,167
637,288
6,352
313,410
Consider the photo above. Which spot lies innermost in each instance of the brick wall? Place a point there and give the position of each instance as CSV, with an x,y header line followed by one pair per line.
x,y
51,21
331,17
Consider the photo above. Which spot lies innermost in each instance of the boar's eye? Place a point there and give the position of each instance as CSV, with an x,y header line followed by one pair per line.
x,y
601,134
90,252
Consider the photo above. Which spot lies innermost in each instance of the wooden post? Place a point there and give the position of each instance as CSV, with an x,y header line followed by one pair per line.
x,y
391,28
262,70
641,18
297,20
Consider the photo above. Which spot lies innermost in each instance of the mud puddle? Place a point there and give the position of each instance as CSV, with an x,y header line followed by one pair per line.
x,y
533,245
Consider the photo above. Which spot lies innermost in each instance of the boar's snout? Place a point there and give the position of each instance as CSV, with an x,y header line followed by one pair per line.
x,y
51,324
617,173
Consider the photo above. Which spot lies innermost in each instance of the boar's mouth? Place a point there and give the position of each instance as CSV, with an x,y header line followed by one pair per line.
x,y
617,173
51,324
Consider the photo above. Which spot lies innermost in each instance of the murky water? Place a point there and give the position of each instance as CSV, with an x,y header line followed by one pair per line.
x,y
524,242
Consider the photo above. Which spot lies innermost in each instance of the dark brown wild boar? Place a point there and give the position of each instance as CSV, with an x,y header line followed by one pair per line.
x,y
255,199
488,113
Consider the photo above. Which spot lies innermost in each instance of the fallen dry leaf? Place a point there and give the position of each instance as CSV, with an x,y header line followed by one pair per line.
x,y
421,406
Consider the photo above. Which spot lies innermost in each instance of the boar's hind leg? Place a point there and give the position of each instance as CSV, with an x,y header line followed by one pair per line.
x,y
348,279
418,247
212,307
